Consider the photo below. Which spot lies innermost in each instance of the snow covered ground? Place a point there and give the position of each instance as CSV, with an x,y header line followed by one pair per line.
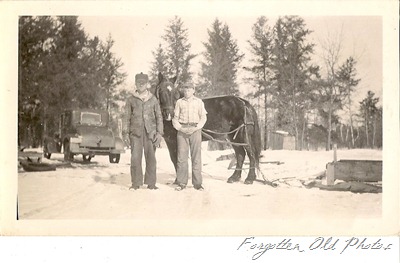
x,y
99,191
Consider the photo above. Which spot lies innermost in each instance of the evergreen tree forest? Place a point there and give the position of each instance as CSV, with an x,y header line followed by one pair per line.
x,y
60,67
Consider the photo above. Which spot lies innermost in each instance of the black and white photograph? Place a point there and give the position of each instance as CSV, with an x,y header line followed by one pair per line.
x,y
201,118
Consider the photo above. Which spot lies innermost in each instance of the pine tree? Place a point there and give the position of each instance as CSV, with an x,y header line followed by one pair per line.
x,y
110,74
369,113
261,47
178,51
292,55
221,61
159,65
34,46
61,67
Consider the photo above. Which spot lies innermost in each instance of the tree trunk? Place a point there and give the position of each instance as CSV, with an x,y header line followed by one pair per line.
x,y
373,133
329,127
351,130
366,130
358,135
302,135
266,120
351,118
341,133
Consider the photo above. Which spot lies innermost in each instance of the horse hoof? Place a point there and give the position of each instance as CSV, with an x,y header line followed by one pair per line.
x,y
231,180
248,182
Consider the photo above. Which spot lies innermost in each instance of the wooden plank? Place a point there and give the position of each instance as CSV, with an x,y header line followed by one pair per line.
x,y
358,170
29,154
330,174
335,152
233,163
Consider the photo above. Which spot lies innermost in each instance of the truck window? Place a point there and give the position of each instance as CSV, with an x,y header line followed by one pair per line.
x,y
90,118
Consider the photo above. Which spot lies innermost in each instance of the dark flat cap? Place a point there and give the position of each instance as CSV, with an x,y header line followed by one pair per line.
x,y
141,77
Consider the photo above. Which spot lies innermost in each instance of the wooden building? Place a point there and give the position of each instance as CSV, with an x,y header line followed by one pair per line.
x,y
281,140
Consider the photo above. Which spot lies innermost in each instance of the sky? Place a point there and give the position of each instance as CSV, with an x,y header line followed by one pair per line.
x,y
136,37
370,33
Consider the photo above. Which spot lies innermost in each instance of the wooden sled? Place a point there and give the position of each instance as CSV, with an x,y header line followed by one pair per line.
x,y
354,187
37,167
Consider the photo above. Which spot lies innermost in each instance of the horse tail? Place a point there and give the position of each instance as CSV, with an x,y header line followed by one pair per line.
x,y
256,138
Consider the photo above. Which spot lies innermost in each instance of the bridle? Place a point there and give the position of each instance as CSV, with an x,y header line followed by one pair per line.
x,y
170,105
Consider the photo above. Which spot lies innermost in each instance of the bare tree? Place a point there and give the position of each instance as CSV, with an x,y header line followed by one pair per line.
x,y
331,92
347,80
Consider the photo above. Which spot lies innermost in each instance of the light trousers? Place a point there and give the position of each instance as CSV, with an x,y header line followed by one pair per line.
x,y
190,142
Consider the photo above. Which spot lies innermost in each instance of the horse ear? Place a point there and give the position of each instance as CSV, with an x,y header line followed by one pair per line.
x,y
173,80
160,77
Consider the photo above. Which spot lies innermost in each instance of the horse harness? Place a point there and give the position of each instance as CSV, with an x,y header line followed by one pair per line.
x,y
206,133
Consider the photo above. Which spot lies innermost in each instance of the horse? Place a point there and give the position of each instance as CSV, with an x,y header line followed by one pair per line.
x,y
230,119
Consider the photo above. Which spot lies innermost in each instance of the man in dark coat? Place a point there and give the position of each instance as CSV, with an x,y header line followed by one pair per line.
x,y
143,128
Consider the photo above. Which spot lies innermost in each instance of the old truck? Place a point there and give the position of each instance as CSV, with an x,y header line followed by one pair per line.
x,y
86,132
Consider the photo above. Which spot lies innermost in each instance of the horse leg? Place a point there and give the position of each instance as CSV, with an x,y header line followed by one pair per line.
x,y
252,172
240,154
173,151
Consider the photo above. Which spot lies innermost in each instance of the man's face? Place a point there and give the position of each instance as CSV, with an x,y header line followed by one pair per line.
x,y
188,92
141,86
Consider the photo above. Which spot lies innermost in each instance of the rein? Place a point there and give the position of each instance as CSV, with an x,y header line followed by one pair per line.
x,y
220,141
225,133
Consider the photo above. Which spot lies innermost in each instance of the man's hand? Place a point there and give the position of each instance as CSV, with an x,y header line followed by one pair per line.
x,y
157,140
188,130
126,140
191,129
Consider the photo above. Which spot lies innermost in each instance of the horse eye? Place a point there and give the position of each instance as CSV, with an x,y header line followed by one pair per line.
x,y
177,95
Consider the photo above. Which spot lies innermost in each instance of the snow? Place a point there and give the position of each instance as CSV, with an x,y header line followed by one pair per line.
x,y
282,132
97,191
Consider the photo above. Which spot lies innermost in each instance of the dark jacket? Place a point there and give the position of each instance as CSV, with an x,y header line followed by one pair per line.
x,y
141,113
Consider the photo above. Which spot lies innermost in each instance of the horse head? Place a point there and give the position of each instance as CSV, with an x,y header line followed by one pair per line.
x,y
167,94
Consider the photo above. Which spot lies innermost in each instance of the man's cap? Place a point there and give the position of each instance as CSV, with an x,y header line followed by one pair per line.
x,y
141,77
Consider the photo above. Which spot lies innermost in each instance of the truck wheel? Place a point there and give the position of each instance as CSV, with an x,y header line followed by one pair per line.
x,y
114,158
68,156
47,155
86,158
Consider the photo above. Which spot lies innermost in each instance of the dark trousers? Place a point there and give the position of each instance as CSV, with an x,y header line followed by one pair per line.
x,y
186,142
140,145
